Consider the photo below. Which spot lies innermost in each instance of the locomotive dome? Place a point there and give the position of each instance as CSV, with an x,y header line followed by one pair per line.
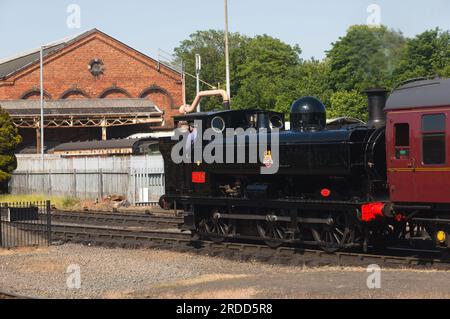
x,y
308,114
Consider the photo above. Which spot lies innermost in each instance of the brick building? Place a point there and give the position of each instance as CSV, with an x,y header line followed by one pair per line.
x,y
95,87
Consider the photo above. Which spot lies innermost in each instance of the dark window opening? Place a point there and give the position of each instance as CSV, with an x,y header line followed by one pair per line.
x,y
402,134
433,139
434,149
433,123
402,150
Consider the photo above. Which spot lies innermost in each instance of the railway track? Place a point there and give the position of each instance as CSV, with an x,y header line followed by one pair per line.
x,y
116,219
8,295
129,237
144,231
148,231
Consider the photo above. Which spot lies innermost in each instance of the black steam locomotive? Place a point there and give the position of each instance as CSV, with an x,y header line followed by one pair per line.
x,y
330,186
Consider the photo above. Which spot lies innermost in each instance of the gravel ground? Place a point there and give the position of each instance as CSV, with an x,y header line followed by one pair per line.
x,y
120,273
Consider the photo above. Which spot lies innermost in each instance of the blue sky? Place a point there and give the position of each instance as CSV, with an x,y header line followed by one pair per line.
x,y
152,24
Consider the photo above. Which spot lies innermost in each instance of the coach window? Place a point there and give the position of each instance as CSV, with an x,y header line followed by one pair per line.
x,y
433,139
402,147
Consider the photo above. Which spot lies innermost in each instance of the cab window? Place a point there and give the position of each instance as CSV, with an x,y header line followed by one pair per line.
x,y
433,139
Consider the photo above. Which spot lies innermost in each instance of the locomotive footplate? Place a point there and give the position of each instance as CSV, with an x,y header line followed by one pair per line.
x,y
299,204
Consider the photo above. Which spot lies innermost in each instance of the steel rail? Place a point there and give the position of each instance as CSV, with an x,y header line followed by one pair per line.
x,y
116,219
10,295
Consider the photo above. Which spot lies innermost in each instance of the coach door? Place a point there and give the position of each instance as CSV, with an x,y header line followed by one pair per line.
x,y
401,157
432,172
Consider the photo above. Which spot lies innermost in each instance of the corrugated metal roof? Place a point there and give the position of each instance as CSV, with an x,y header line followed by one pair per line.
x,y
419,94
18,62
81,107
89,145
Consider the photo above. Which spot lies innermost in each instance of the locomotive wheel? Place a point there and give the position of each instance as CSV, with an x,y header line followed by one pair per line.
x,y
385,235
335,235
273,233
218,228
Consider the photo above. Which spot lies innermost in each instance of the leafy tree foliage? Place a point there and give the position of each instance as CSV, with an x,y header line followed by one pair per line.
x,y
427,54
267,65
348,103
269,74
210,45
9,139
310,78
365,57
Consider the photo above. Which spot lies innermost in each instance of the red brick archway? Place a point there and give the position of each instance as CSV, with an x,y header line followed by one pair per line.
x,y
114,93
34,94
74,94
160,96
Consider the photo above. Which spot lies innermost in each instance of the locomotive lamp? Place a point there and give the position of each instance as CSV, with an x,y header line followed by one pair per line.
x,y
441,237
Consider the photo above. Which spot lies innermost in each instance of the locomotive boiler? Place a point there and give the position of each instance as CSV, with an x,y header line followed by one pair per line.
x,y
337,185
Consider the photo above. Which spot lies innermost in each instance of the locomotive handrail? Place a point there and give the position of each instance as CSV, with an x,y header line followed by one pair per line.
x,y
369,152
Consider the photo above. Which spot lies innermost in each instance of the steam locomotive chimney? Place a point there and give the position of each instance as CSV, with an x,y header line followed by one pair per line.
x,y
377,101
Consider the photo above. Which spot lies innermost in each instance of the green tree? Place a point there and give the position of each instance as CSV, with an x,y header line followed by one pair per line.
x,y
365,57
9,140
267,64
348,103
210,45
427,54
310,78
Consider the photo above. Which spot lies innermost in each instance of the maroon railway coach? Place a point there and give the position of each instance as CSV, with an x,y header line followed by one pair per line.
x,y
417,142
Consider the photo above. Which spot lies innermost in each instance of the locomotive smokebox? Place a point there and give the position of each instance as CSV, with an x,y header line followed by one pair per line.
x,y
377,102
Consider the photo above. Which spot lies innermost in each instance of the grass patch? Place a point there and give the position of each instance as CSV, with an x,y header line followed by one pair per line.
x,y
69,202
58,202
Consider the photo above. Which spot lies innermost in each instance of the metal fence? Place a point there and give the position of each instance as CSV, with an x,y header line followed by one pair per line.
x,y
137,185
25,224
34,163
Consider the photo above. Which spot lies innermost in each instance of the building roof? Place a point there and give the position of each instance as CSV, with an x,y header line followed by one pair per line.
x,y
419,94
14,64
90,145
202,115
22,60
81,107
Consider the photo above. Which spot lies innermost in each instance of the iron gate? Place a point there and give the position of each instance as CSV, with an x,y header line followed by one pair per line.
x,y
25,224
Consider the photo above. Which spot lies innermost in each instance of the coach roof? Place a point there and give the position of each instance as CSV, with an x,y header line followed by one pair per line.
x,y
420,93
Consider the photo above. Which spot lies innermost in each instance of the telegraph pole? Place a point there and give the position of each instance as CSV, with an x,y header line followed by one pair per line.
x,y
227,52
41,79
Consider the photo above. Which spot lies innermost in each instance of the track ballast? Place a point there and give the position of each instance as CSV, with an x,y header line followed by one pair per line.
x,y
139,236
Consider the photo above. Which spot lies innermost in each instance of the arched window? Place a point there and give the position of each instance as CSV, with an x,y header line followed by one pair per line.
x,y
114,93
160,96
34,94
74,94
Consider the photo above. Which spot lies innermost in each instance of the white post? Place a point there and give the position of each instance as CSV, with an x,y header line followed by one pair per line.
x,y
183,80
227,53
198,67
41,79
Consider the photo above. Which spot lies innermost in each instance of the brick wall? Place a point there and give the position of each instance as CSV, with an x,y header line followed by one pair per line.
x,y
127,73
